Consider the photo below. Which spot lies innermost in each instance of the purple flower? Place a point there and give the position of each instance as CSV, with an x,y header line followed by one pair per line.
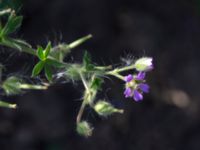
x,y
136,84
137,96
144,87
128,92
128,78
140,76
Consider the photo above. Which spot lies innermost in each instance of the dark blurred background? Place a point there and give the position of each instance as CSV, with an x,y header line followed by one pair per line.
x,y
167,119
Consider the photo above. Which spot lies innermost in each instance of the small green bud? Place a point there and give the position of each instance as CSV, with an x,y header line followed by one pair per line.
x,y
144,64
12,85
104,108
83,128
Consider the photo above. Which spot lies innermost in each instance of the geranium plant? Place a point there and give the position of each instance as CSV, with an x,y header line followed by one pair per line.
x,y
51,63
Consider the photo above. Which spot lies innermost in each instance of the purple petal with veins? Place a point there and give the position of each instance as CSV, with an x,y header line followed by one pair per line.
x,y
144,87
128,78
137,96
128,92
140,76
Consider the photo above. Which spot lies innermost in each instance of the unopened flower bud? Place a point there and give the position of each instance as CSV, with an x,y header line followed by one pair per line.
x,y
144,64
83,128
11,85
104,108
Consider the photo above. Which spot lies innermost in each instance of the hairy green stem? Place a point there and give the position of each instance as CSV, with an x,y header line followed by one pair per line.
x,y
116,71
103,67
25,49
84,81
8,105
80,113
116,75
79,41
34,87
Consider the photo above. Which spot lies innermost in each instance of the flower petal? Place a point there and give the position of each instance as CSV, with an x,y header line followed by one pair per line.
x,y
128,78
140,76
144,87
128,92
137,96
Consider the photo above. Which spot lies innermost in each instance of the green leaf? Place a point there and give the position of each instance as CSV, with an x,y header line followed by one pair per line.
x,y
55,63
48,72
87,62
96,83
47,50
40,53
7,105
12,24
37,68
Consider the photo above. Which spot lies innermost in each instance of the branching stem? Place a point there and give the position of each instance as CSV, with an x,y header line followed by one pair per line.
x,y
80,113
116,71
